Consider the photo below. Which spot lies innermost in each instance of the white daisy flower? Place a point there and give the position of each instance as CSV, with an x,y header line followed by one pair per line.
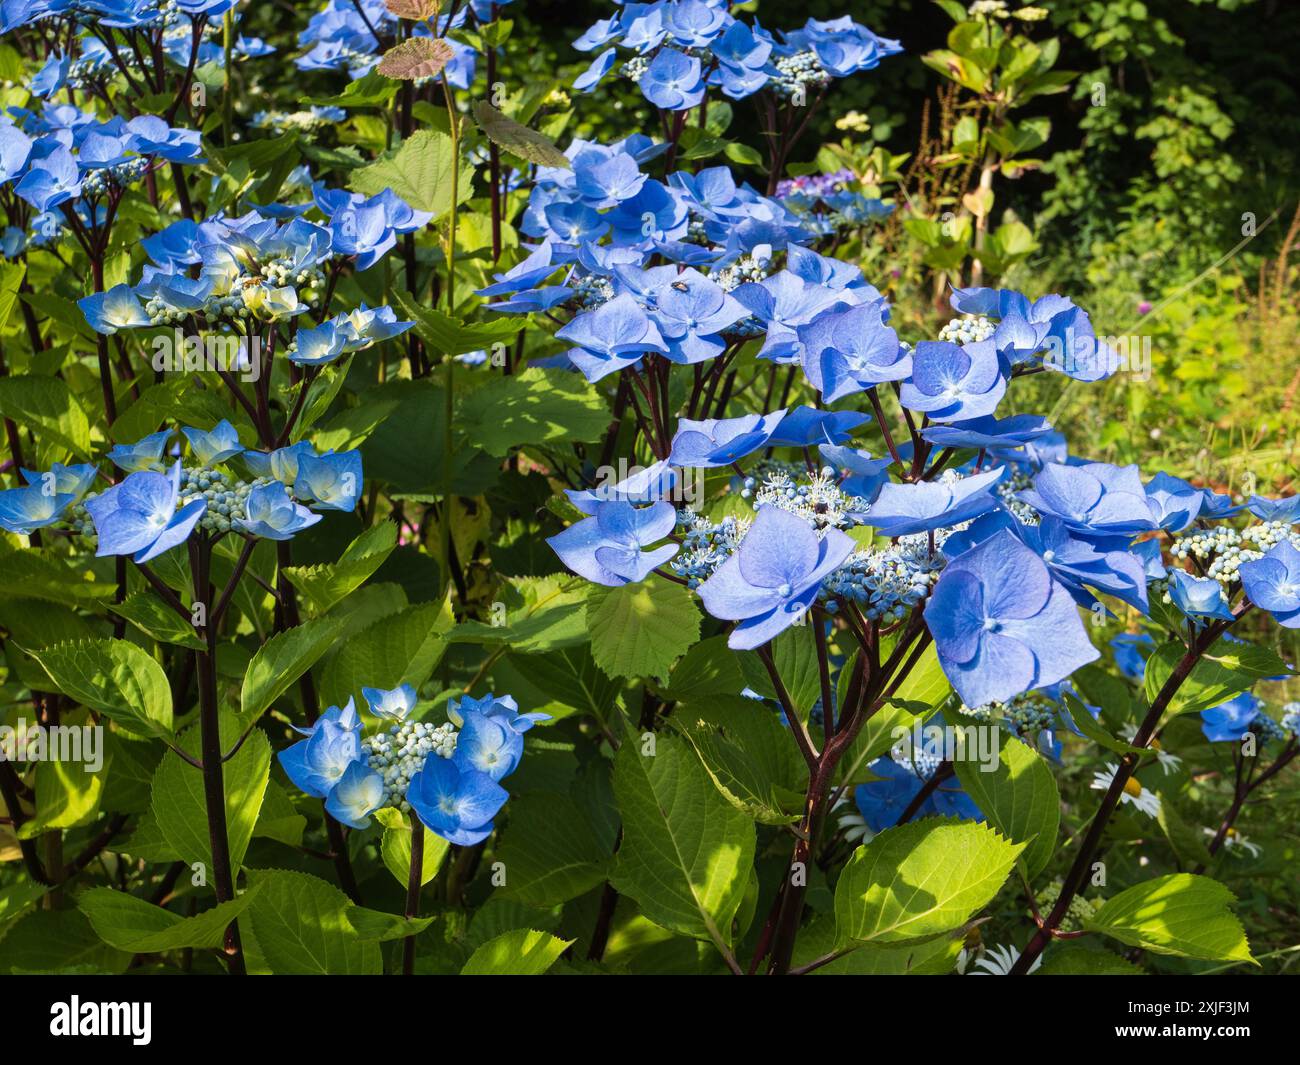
x,y
851,823
1134,793
997,961
1170,763
1235,841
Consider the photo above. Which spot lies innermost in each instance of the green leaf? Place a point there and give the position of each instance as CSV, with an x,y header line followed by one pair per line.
x,y
1225,670
1181,914
1072,959
518,140
301,925
686,851
280,661
114,677
540,614
395,848
156,619
47,407
523,952
749,754
551,851
128,923
450,336
710,667
327,584
373,90
640,630
1019,798
402,648
420,173
794,654
68,794
920,880
533,407
180,810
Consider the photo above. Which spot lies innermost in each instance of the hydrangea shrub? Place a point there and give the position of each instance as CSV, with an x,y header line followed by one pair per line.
x,y
455,552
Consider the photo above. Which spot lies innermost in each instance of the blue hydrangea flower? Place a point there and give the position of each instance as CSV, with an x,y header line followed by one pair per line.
x,y
145,454
1175,504
643,485
215,445
51,181
118,308
616,334
1230,721
1198,597
357,794
331,481
905,509
138,517
453,803
852,350
607,547
333,743
1272,583
673,81
989,432
1002,625
1131,651
1093,499
271,513
861,475
74,480
488,744
318,346
953,382
808,426
23,510
773,577
502,708
692,311
1285,510
721,441
394,704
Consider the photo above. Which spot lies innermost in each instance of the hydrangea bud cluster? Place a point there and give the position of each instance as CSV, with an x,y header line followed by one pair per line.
x,y
226,496
745,269
1080,910
799,73
307,121
1221,550
818,500
97,182
705,545
400,753
1025,715
968,329
1291,719
886,583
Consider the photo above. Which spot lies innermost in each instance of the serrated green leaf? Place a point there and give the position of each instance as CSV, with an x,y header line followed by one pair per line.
x,y
325,585
154,618
1182,914
301,925
402,648
522,952
114,677
686,851
1019,798
551,851
47,407
180,810
280,661
419,172
920,880
533,407
395,848
128,923
640,630
1225,670
518,140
